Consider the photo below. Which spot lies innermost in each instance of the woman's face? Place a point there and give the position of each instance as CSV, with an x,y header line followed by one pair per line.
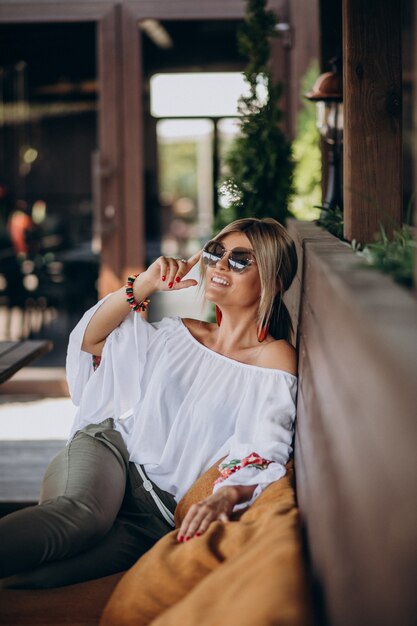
x,y
224,286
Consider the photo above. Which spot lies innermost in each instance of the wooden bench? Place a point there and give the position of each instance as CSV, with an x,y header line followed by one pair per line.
x,y
355,457
16,354
356,431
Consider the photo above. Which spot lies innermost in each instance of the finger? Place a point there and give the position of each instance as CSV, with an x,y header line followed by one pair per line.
x,y
183,284
203,520
192,511
222,517
203,527
183,269
211,515
194,516
194,259
184,266
173,269
163,267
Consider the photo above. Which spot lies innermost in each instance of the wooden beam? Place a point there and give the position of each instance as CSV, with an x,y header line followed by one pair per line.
x,y
192,10
133,146
357,347
49,12
372,117
110,131
414,139
16,354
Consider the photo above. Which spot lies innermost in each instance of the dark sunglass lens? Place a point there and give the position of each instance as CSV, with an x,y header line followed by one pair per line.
x,y
240,260
213,252
238,264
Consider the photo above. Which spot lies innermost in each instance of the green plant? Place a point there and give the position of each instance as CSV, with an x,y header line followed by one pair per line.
x,y
332,221
394,257
259,163
307,154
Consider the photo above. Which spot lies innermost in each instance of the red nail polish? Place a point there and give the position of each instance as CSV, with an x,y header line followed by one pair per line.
x,y
170,285
198,534
188,538
177,279
163,278
181,538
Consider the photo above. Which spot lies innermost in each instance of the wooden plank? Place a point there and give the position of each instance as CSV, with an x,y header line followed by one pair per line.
x,y
133,146
386,313
191,10
372,88
364,346
111,148
356,433
15,355
79,10
320,495
360,518
414,134
301,232
49,12
22,466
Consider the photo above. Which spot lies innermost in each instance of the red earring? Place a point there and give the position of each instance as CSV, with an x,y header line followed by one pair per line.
x,y
263,333
218,316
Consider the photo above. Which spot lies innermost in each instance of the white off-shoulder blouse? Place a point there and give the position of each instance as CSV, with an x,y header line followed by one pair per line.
x,y
180,406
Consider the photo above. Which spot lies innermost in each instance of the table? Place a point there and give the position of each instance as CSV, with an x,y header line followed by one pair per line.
x,y
16,354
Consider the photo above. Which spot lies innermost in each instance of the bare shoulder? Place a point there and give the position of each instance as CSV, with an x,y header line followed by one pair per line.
x,y
197,328
279,354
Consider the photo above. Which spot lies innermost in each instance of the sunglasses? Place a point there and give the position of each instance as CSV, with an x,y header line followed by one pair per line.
x,y
238,261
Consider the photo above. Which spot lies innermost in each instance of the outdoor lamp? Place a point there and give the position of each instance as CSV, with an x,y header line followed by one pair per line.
x,y
327,94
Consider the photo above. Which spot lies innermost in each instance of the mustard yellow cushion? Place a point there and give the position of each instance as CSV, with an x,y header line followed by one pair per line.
x,y
262,578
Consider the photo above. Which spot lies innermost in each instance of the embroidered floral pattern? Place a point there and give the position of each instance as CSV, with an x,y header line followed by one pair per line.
x,y
96,361
252,460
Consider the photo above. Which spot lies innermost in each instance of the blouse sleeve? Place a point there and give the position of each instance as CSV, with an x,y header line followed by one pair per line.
x,y
262,442
114,387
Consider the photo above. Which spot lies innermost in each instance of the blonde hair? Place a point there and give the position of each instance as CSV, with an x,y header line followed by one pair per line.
x,y
276,258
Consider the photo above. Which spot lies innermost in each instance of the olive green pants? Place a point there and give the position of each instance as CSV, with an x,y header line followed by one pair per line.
x,y
94,517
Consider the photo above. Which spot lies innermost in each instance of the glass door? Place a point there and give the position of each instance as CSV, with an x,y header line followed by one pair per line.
x,y
48,121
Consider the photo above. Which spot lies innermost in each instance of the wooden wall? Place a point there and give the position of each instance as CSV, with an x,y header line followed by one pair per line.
x,y
355,449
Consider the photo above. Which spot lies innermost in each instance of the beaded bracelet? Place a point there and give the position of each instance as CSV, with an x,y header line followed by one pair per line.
x,y
130,298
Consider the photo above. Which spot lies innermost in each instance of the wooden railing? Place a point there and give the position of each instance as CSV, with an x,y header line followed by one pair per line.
x,y
355,449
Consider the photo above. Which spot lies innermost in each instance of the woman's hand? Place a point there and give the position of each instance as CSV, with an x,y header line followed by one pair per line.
x,y
218,506
163,275
166,274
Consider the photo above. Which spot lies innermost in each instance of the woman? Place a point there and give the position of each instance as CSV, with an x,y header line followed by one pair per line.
x,y
167,401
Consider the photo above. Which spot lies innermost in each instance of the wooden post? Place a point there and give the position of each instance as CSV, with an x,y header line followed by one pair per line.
x,y
414,139
121,149
110,143
133,145
372,117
